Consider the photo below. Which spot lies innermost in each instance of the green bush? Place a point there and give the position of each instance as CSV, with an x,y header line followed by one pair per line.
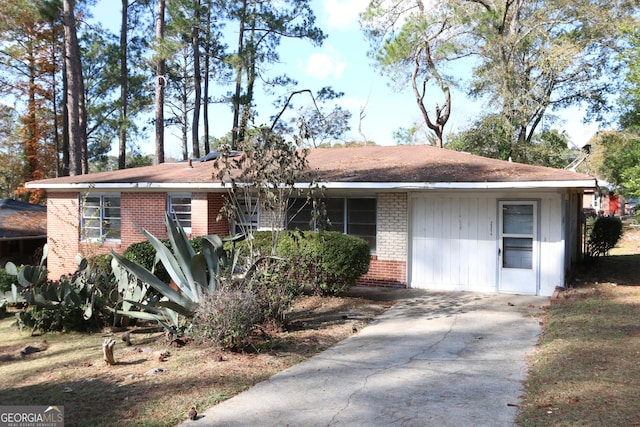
x,y
274,284
6,280
330,262
77,302
605,234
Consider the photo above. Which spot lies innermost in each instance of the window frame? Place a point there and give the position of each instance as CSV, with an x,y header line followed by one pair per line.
x,y
172,212
240,223
345,222
104,219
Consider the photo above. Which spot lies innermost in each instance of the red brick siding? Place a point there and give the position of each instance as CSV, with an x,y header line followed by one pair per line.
x,y
142,210
137,210
385,273
205,209
63,235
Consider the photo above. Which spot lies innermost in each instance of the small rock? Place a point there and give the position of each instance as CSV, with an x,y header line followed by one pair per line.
x,y
130,377
154,371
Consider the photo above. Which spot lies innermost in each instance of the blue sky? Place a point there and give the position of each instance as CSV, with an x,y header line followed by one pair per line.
x,y
342,63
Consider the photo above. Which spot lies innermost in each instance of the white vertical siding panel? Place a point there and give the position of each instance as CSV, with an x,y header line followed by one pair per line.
x,y
552,244
418,241
485,257
453,242
438,242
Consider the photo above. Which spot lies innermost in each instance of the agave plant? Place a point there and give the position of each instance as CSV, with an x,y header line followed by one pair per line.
x,y
192,273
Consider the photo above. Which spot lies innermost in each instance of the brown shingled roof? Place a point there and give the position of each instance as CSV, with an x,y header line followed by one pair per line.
x,y
423,163
372,164
19,220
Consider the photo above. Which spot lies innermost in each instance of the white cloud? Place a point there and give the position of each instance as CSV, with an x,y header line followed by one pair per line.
x,y
324,65
343,14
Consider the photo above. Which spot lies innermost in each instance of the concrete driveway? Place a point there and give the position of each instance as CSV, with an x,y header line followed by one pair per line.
x,y
433,359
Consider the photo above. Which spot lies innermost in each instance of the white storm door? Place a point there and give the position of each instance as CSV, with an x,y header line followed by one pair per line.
x,y
518,247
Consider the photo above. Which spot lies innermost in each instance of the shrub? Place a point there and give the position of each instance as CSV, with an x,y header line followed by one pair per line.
x,y
227,317
6,280
330,262
274,285
75,302
606,233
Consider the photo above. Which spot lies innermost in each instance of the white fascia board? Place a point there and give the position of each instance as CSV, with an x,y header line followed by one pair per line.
x,y
112,186
328,185
451,185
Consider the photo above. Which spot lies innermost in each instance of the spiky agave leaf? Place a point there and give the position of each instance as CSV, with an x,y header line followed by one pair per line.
x,y
146,276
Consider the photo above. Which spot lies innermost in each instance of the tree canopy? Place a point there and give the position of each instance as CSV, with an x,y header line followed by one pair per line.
x,y
527,58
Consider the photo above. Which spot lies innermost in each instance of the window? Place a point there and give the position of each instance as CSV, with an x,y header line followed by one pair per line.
x,y
352,216
100,217
517,235
247,215
179,207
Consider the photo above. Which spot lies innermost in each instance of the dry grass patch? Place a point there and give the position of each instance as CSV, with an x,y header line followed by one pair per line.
x,y
586,370
70,371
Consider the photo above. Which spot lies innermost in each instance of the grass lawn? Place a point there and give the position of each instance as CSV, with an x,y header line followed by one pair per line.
x,y
586,371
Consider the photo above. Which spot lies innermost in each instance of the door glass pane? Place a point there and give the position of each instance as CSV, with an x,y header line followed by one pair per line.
x,y
517,252
517,219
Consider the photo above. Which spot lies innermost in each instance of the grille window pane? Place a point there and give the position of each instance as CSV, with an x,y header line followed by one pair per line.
x,y
360,216
179,207
100,217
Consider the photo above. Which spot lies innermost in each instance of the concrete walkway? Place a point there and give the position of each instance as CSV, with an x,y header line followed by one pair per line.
x,y
433,359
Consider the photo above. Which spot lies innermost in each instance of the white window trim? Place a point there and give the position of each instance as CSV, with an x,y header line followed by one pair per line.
x,y
102,237
171,212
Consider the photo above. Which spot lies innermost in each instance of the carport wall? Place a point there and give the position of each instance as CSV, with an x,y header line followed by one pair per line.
x,y
137,209
454,239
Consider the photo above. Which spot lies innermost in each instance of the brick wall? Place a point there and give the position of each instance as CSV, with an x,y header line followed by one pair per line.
x,y
142,210
205,209
385,273
393,226
147,210
63,235
389,265
137,210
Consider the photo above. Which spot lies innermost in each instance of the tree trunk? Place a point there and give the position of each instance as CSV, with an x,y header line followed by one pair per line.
x,y
239,70
107,351
160,84
124,87
197,82
205,94
78,163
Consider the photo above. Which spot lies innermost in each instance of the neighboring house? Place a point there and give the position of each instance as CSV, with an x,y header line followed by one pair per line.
x,y
434,218
604,201
23,232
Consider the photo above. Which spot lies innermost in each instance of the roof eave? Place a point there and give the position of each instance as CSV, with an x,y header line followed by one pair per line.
x,y
113,186
588,183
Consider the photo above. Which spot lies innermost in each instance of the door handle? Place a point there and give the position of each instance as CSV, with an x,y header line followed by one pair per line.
x,y
499,251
